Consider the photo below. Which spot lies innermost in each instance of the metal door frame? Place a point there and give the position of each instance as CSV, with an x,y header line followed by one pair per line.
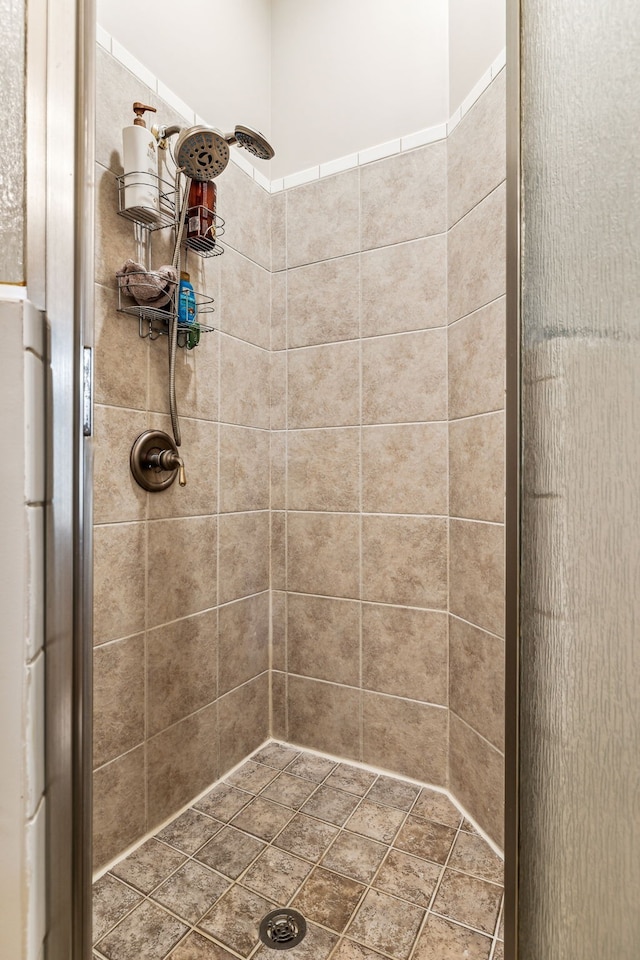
x,y
60,197
512,484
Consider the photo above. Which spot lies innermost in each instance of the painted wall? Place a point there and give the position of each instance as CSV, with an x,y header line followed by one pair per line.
x,y
476,37
218,62
321,80
348,75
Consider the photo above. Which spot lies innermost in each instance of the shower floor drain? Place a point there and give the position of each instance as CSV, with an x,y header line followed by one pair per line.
x,y
283,929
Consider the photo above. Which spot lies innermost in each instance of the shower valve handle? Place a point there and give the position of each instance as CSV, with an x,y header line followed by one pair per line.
x,y
156,462
169,460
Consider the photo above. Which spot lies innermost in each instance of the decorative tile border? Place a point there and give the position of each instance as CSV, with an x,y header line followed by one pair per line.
x,y
377,152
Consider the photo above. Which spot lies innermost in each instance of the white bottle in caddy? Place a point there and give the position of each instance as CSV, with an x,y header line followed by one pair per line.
x,y
140,162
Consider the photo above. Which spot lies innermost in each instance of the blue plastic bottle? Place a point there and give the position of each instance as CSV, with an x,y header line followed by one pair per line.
x,y
186,301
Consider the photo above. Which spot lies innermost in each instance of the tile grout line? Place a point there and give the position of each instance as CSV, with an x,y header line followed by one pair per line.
x,y
342,829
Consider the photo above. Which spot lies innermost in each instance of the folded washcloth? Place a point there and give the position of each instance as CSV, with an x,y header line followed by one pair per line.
x,y
151,288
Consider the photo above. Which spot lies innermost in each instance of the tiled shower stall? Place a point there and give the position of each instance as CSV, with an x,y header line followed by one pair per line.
x,y
332,574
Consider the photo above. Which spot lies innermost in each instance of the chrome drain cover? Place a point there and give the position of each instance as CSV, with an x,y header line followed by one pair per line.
x,y
283,929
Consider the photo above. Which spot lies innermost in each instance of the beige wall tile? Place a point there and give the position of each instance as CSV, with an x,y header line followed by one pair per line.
x,y
199,450
181,669
477,362
324,386
244,384
404,378
278,630
404,197
477,256
476,679
196,378
278,550
405,737
404,287
323,302
476,573
279,706
181,762
323,469
119,580
245,292
114,241
405,652
122,384
244,475
404,560
279,231
323,219
246,209
476,468
324,716
181,562
324,638
476,777
279,311
278,453
244,641
477,151
278,390
118,698
119,806
116,495
244,555
116,89
404,469
323,554
243,721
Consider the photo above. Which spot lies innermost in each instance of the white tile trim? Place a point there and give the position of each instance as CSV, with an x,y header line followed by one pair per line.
x,y
304,176
134,66
174,101
240,160
476,92
103,38
422,137
378,151
499,63
339,166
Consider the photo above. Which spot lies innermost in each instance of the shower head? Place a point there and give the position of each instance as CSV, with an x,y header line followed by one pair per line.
x,y
201,153
253,141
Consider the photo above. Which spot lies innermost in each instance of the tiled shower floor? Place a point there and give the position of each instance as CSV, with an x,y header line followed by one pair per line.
x,y
378,867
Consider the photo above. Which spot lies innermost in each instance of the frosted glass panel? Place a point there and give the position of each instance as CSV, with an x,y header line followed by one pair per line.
x,y
580,737
12,123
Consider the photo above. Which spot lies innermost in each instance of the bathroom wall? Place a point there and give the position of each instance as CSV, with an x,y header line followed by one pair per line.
x,y
181,606
476,376
321,79
347,75
380,407
360,537
476,36
222,65
388,462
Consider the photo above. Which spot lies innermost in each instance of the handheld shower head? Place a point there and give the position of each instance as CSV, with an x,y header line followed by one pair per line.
x,y
201,153
253,141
